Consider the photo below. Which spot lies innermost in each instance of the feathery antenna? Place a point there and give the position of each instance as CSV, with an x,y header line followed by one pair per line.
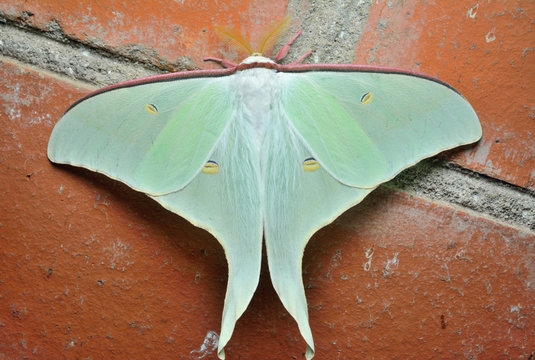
x,y
271,34
234,38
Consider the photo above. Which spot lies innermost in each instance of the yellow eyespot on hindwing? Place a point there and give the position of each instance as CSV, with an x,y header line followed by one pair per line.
x,y
366,98
210,167
151,109
311,164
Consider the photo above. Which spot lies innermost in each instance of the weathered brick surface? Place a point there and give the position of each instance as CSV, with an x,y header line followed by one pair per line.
x,y
93,269
159,31
485,50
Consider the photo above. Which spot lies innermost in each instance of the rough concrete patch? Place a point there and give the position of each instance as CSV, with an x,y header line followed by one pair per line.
x,y
55,31
331,29
23,19
140,53
436,180
73,60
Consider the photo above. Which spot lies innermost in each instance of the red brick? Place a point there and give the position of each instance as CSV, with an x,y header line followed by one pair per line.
x,y
164,30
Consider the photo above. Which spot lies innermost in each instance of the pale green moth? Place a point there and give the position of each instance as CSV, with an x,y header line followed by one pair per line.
x,y
262,149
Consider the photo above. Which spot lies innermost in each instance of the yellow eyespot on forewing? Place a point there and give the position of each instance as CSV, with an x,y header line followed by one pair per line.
x,y
311,164
366,98
210,167
151,109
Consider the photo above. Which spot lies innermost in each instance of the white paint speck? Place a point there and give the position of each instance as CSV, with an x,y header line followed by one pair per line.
x,y
369,255
472,12
491,36
516,308
208,346
392,264
334,263
36,119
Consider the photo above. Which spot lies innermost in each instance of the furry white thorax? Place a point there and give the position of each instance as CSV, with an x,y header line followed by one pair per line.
x,y
257,59
264,154
256,91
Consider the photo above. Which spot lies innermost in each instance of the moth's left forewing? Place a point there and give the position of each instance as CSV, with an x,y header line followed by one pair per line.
x,y
154,135
365,126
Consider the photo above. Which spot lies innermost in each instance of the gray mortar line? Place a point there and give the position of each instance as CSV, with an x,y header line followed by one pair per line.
x,y
331,29
71,59
431,179
491,198
82,84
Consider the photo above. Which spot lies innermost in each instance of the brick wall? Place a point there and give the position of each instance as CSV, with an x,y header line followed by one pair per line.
x,y
93,269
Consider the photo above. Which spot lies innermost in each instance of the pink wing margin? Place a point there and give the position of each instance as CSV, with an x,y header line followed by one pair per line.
x,y
158,78
358,68
232,69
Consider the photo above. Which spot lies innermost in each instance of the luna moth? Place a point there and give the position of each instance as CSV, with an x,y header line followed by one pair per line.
x,y
261,149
